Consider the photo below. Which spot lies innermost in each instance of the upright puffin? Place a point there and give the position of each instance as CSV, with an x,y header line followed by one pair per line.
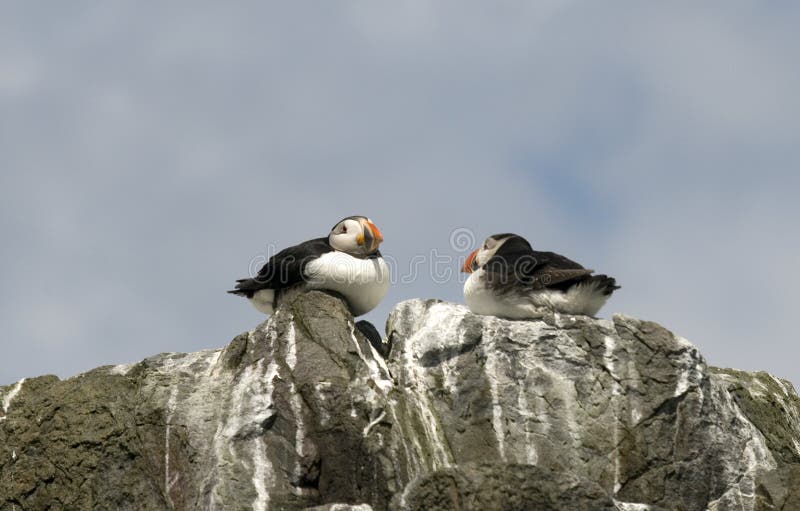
x,y
511,280
347,261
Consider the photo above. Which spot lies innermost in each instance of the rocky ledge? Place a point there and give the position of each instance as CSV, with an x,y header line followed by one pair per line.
x,y
466,412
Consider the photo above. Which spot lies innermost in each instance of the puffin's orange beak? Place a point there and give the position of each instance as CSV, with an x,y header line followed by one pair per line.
x,y
375,233
369,235
467,268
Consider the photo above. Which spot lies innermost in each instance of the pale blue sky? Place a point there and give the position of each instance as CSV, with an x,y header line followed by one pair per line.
x,y
149,152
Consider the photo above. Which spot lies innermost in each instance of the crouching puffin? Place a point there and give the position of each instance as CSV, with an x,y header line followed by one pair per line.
x,y
511,280
347,262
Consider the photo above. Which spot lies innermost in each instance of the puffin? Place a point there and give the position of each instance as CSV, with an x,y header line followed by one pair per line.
x,y
347,262
510,280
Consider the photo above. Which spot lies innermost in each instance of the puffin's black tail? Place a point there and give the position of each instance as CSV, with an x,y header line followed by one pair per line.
x,y
241,289
604,283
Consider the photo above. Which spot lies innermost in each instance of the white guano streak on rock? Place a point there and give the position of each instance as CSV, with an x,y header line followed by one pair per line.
x,y
121,369
262,468
383,381
691,372
532,456
438,319
631,506
173,396
412,455
295,401
189,409
441,317
608,359
758,389
320,388
449,378
440,458
382,364
182,362
561,385
490,368
565,388
756,454
372,424
250,405
780,384
10,397
683,383
291,347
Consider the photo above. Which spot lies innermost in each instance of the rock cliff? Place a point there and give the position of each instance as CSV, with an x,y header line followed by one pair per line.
x,y
465,412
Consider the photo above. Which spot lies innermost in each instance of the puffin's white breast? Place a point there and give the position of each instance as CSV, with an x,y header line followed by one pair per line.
x,y
482,300
531,304
363,282
264,300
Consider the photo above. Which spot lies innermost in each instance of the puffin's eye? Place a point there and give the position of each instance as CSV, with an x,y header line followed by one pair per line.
x,y
344,229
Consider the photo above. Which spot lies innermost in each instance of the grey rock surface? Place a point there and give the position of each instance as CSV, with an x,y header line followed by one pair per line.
x,y
466,412
505,487
623,403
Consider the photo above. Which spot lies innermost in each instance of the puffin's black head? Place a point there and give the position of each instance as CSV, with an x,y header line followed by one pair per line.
x,y
502,245
355,235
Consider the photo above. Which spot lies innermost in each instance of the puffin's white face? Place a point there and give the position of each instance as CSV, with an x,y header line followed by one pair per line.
x,y
355,235
488,250
481,256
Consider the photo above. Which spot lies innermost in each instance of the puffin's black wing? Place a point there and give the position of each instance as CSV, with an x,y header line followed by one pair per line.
x,y
555,261
519,265
556,271
284,269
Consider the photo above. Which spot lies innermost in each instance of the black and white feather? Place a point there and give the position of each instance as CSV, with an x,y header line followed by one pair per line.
x,y
509,279
347,261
